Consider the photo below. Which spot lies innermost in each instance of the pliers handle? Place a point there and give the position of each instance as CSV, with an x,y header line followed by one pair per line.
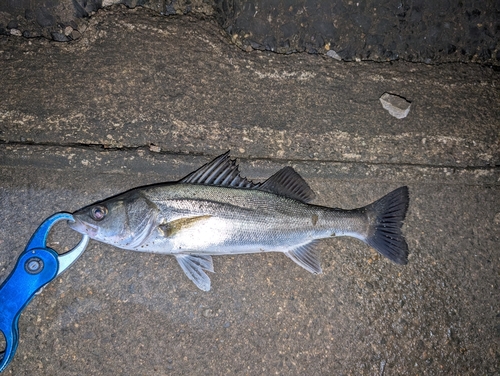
x,y
35,267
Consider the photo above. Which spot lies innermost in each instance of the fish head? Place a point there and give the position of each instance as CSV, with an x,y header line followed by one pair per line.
x,y
124,221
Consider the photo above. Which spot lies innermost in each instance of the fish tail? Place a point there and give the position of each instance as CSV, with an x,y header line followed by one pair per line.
x,y
388,214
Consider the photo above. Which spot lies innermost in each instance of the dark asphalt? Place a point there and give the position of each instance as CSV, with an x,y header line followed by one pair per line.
x,y
141,99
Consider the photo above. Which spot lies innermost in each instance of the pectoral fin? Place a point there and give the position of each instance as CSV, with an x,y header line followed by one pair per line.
x,y
306,256
193,266
171,228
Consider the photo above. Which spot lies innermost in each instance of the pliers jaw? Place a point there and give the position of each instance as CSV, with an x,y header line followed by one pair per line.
x,y
68,258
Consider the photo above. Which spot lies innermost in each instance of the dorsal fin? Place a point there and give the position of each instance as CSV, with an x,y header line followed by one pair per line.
x,y
287,182
222,171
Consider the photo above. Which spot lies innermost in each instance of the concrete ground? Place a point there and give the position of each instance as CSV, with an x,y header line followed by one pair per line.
x,y
143,99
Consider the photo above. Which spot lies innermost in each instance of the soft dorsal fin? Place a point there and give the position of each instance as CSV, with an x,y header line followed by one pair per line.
x,y
287,182
222,171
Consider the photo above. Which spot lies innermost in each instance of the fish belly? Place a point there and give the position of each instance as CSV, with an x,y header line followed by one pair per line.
x,y
220,236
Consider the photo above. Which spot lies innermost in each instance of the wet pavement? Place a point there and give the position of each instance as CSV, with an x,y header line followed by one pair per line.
x,y
141,99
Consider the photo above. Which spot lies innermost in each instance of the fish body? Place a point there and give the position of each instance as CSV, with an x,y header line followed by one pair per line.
x,y
214,211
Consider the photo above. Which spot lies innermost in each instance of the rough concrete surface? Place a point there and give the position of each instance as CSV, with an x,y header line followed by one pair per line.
x,y
141,99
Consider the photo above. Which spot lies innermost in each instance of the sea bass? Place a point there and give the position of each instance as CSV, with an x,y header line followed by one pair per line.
x,y
216,211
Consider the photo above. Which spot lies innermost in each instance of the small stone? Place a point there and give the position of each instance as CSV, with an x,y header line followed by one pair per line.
x,y
170,10
31,34
76,34
68,30
333,55
154,148
16,32
12,24
107,3
397,106
59,37
44,18
82,27
208,313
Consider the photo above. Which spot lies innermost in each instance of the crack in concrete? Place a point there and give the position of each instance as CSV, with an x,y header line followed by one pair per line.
x,y
146,148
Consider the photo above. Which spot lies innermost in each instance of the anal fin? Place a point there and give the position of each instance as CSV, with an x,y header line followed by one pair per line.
x,y
306,256
193,266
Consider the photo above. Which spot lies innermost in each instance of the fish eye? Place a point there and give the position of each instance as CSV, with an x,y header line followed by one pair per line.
x,y
98,212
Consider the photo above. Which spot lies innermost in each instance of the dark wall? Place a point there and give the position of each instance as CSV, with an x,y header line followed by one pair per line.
x,y
430,31
416,30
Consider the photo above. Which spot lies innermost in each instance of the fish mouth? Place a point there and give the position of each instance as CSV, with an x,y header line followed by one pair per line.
x,y
84,228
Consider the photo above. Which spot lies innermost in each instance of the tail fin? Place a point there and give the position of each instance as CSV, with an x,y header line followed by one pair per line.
x,y
386,236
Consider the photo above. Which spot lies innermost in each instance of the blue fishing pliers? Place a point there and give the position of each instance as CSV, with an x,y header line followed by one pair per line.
x,y
36,267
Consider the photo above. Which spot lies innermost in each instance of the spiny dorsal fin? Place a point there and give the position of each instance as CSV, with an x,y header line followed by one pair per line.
x,y
287,182
222,171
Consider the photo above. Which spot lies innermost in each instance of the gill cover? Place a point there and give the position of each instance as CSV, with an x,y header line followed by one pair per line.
x,y
125,221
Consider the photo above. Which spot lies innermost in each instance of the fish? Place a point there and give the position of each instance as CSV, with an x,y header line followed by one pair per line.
x,y
216,211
